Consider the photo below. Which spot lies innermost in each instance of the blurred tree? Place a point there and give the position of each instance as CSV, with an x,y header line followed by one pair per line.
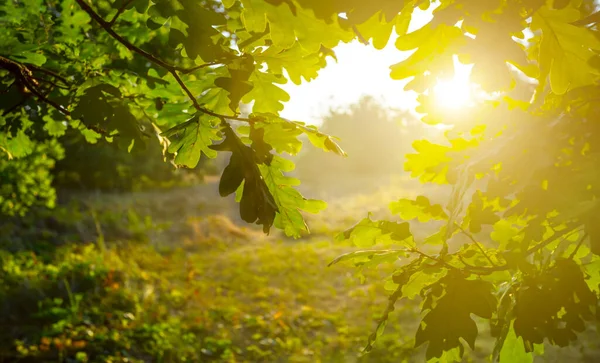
x,y
103,166
374,137
26,182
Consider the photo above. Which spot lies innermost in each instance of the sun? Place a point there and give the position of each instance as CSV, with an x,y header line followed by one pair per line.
x,y
457,92
454,93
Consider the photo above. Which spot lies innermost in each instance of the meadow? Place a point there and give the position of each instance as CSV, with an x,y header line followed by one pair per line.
x,y
127,277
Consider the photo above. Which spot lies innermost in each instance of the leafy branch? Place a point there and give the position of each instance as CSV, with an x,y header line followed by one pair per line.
x,y
50,73
477,244
563,233
120,11
107,26
254,37
28,83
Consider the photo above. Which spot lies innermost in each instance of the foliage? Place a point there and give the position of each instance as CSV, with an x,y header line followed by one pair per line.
x,y
26,182
103,166
179,67
529,249
522,170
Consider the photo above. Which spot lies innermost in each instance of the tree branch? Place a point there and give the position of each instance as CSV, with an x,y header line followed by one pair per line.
x,y
578,245
24,77
107,27
49,72
359,35
43,80
439,261
119,12
470,236
253,38
590,19
170,68
549,240
190,70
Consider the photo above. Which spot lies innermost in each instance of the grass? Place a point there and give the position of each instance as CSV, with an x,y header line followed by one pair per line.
x,y
186,283
136,279
260,301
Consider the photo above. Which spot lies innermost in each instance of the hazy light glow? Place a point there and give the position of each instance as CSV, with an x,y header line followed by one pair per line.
x,y
452,93
363,70
360,70
457,92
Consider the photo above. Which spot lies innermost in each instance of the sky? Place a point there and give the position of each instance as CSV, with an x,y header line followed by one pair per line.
x,y
360,70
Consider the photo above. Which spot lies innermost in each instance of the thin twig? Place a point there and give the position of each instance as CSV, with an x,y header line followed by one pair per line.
x,y
439,261
590,19
43,80
585,234
119,12
170,68
190,70
482,270
48,72
45,99
106,26
359,35
468,268
200,108
187,91
549,240
24,77
470,236
254,37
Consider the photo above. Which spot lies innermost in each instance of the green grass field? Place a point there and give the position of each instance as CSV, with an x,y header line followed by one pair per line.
x,y
149,282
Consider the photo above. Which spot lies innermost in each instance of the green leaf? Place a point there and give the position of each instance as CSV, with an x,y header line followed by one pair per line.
x,y
283,136
54,128
217,100
296,61
592,271
564,49
378,29
192,138
421,279
16,146
74,23
257,204
289,201
566,300
449,314
287,139
479,214
434,46
29,57
513,350
266,95
363,256
432,161
257,14
323,141
419,208
368,232
238,84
